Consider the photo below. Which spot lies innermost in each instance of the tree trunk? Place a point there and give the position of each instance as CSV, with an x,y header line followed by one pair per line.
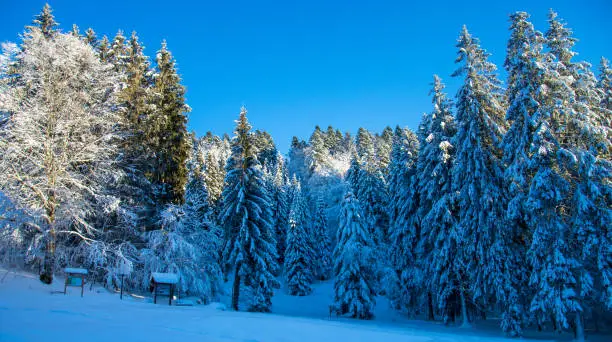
x,y
47,273
430,307
464,313
236,289
579,328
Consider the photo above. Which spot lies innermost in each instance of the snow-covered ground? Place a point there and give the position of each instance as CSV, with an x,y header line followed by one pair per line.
x,y
32,311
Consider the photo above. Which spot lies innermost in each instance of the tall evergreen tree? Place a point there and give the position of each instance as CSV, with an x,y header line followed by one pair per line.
x,y
403,231
104,50
354,285
322,244
438,242
90,38
45,21
318,150
249,235
383,149
365,146
282,209
170,127
478,183
299,254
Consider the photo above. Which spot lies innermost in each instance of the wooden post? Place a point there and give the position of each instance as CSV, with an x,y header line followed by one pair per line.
x,y
155,293
82,284
121,295
66,283
171,294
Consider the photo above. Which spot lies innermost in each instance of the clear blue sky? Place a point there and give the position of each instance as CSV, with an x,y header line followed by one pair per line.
x,y
296,64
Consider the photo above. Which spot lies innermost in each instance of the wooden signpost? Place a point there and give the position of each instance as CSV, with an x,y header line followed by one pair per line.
x,y
75,277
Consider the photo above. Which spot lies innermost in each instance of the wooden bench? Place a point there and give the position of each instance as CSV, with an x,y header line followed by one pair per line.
x,y
75,277
163,284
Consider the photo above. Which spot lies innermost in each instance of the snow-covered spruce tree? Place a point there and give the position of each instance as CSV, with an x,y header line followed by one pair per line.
x,y
525,66
45,22
60,172
384,145
404,149
322,244
365,146
135,97
117,53
373,198
437,246
168,130
478,184
405,289
91,38
318,154
354,285
353,173
297,159
213,175
103,50
299,256
246,217
424,227
282,209
576,120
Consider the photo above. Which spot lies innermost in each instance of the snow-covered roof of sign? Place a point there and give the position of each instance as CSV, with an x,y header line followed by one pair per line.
x,y
75,270
166,278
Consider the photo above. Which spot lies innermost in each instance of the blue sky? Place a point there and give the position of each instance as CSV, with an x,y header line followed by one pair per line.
x,y
296,64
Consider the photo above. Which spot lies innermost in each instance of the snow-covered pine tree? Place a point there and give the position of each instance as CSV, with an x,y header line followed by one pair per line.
x,y
384,145
249,236
354,285
318,153
576,120
299,256
406,289
525,66
364,143
91,39
282,210
169,128
76,32
322,243
405,147
352,174
478,184
373,198
213,175
135,105
103,50
117,53
438,241
45,22
62,179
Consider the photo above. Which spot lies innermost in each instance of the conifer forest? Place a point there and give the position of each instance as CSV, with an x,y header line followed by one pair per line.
x,y
497,207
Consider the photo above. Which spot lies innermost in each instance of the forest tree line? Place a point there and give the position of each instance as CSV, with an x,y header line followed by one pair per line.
x,y
498,205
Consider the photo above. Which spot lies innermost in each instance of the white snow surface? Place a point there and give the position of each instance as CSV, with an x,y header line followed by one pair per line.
x,y
32,311
166,278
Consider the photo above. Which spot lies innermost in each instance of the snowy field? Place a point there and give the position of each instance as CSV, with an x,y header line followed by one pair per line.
x,y
31,311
